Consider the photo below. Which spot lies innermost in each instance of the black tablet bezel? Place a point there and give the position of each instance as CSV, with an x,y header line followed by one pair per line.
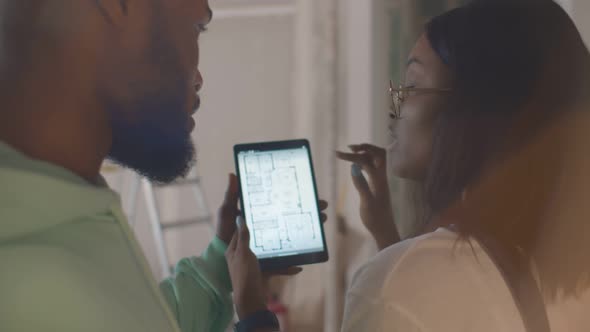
x,y
282,262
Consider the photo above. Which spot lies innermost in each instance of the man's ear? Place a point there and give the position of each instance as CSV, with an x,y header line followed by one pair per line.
x,y
114,11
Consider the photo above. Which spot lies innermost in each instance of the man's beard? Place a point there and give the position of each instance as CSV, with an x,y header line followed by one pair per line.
x,y
151,131
156,142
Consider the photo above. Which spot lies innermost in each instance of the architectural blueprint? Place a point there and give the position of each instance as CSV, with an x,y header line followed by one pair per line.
x,y
279,202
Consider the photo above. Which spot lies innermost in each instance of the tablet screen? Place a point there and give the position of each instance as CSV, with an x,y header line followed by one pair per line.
x,y
279,202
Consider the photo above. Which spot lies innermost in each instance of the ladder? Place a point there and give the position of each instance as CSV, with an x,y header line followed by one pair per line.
x,y
153,206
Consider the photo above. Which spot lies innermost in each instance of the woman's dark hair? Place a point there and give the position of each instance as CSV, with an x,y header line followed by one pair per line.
x,y
517,67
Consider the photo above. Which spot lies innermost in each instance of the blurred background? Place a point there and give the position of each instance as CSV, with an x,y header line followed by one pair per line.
x,y
284,69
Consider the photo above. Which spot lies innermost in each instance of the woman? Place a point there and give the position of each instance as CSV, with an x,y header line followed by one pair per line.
x,y
489,122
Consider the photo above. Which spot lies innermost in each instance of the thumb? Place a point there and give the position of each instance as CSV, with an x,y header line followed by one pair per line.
x,y
360,182
243,233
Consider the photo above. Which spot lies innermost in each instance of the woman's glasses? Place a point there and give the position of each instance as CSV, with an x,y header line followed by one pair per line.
x,y
400,94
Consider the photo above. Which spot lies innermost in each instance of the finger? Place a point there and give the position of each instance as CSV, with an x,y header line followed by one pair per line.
x,y
362,159
231,194
367,148
229,207
243,234
360,182
232,244
323,205
323,217
378,154
357,147
294,270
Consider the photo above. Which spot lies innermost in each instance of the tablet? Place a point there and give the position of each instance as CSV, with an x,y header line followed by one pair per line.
x,y
278,196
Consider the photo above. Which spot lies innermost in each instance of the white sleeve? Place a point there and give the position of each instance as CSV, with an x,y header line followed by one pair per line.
x,y
363,314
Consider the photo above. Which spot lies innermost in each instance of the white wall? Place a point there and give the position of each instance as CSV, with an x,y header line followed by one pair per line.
x,y
566,4
581,15
579,10
246,64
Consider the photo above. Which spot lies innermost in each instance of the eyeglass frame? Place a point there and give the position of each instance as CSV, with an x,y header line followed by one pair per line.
x,y
396,107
